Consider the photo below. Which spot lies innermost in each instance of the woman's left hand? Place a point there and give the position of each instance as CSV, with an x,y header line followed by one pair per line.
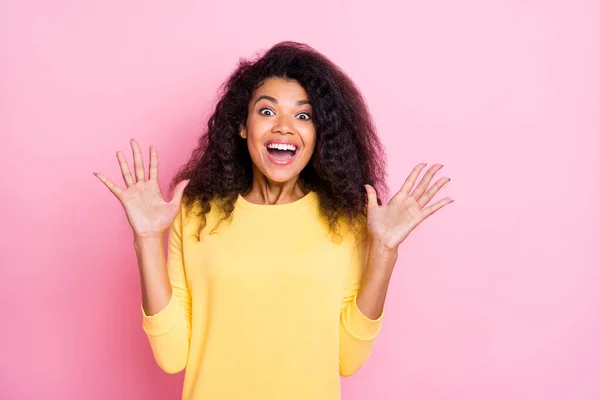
x,y
391,223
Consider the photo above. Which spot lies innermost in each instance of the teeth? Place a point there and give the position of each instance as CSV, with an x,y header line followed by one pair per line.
x,y
281,146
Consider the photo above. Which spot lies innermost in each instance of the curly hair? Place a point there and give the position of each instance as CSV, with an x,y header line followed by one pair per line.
x,y
348,152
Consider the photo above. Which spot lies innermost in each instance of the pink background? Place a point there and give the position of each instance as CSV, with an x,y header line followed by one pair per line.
x,y
494,297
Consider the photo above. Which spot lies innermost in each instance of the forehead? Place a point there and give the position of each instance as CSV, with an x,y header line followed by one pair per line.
x,y
281,88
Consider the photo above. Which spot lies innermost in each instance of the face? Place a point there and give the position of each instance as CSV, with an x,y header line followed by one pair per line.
x,y
279,130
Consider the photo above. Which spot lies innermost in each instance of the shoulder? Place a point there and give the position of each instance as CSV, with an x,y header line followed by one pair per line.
x,y
351,234
192,220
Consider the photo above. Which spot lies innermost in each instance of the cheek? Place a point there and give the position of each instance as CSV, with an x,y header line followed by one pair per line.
x,y
256,128
310,139
253,135
254,148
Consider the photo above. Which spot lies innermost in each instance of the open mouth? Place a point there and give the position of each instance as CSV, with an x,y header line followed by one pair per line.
x,y
281,153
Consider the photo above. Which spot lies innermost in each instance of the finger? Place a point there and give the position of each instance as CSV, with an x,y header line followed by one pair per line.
x,y
371,197
410,181
424,199
178,192
153,163
111,186
138,161
424,184
433,208
125,169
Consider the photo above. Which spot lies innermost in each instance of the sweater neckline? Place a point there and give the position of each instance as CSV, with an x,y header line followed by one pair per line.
x,y
309,198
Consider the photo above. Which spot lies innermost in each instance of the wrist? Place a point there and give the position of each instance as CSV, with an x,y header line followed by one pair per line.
x,y
382,258
141,239
380,246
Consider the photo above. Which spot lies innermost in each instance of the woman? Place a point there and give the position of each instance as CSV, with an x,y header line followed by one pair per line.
x,y
280,252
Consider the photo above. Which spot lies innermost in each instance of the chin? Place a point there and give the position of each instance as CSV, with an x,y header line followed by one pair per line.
x,y
280,176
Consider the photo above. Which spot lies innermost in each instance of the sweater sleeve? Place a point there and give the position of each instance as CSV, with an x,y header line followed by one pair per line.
x,y
168,331
357,331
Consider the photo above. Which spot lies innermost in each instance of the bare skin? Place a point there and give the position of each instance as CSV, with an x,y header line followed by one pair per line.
x,y
279,110
388,226
150,217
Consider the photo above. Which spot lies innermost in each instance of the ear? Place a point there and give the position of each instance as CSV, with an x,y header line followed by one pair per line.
x,y
243,132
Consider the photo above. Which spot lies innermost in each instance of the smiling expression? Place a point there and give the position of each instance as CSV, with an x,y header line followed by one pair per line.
x,y
279,129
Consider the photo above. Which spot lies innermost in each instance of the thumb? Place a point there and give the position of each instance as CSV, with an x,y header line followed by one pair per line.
x,y
178,192
371,197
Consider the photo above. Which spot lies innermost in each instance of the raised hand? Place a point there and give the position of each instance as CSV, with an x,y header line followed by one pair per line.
x,y
147,212
391,223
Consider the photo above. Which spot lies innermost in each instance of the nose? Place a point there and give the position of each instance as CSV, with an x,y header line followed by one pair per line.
x,y
283,125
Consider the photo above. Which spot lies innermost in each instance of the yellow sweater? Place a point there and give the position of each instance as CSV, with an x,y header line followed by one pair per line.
x,y
265,308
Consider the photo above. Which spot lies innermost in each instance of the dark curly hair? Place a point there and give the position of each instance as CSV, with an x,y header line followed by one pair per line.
x,y
348,153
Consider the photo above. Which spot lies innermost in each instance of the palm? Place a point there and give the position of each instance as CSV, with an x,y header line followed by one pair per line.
x,y
391,223
146,209
395,220
147,212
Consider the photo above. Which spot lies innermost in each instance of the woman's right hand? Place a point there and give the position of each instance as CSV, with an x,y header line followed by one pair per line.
x,y
147,212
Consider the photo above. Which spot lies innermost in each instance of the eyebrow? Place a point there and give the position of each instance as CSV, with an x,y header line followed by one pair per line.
x,y
274,100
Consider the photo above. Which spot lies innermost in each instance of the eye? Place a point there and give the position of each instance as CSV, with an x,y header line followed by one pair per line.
x,y
306,116
264,111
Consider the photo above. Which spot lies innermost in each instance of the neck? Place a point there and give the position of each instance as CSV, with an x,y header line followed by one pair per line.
x,y
264,191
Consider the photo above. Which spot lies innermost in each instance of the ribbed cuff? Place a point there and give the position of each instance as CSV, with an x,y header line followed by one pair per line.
x,y
359,325
163,321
